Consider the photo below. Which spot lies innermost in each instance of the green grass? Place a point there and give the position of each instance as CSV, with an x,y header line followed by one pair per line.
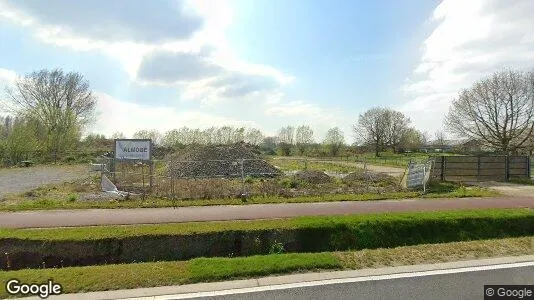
x,y
437,190
298,164
208,269
124,231
127,276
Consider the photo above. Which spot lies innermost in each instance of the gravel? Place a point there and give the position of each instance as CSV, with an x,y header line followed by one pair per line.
x,y
16,180
220,161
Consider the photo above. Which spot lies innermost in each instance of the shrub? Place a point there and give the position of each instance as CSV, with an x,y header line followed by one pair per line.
x,y
72,197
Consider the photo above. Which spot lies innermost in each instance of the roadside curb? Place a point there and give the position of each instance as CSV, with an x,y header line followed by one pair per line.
x,y
155,292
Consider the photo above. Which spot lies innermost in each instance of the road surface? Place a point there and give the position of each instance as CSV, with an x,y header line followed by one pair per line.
x,y
449,280
424,285
87,217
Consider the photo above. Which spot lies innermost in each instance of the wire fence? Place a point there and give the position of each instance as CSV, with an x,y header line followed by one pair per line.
x,y
179,179
208,179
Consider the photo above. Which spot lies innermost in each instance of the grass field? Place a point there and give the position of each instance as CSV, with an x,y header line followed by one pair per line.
x,y
67,199
127,276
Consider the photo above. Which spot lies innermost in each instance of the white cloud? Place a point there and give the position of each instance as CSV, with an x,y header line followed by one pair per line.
x,y
199,62
7,77
292,109
186,42
471,40
119,115
140,21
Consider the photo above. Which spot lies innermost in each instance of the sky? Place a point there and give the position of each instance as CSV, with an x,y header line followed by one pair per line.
x,y
266,64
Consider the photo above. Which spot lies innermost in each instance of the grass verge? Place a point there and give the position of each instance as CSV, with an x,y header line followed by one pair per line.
x,y
126,276
438,190
363,224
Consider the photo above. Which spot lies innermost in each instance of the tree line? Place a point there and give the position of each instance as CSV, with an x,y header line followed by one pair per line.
x,y
51,109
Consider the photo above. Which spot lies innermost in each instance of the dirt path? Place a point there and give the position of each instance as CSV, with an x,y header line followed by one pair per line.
x,y
509,189
88,217
392,171
18,180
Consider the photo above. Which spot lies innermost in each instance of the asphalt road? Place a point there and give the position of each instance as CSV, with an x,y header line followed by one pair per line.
x,y
87,217
465,285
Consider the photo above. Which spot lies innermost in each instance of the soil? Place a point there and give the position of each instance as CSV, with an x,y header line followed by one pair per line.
x,y
312,176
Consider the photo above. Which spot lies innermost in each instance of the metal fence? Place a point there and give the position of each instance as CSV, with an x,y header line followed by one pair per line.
x,y
184,179
181,179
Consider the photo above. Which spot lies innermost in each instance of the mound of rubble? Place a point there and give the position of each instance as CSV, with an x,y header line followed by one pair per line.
x,y
227,161
358,178
312,176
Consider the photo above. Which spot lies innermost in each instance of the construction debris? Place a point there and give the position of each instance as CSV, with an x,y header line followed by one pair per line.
x,y
228,161
312,176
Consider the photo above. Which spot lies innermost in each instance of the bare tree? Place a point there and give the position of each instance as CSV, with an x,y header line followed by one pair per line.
x,y
118,135
303,138
253,136
497,111
440,139
285,139
396,126
412,140
334,140
62,103
425,138
372,128
153,135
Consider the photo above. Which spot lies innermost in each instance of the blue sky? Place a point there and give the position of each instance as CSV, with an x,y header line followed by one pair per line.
x,y
265,64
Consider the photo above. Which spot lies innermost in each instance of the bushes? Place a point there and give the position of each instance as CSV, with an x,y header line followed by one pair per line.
x,y
309,234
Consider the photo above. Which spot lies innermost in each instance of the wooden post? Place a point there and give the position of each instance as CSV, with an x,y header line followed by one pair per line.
x,y
506,168
442,168
151,176
529,171
478,168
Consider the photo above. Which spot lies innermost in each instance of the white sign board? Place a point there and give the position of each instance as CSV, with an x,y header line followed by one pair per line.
x,y
133,149
418,175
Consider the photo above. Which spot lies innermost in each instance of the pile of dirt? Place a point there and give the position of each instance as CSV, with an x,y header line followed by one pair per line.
x,y
358,178
227,161
312,176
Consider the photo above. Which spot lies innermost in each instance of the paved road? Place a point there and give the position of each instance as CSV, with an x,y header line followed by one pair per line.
x,y
56,218
18,180
462,285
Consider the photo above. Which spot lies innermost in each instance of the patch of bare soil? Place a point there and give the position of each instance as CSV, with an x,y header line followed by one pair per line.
x,y
313,176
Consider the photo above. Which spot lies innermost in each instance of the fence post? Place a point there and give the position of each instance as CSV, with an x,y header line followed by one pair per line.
x,y
151,176
112,168
529,171
243,177
478,168
442,168
506,168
